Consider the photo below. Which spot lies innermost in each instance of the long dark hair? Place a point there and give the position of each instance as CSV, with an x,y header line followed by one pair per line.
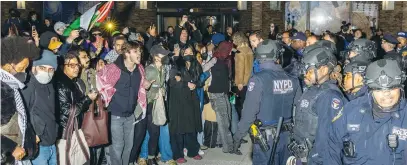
x,y
195,69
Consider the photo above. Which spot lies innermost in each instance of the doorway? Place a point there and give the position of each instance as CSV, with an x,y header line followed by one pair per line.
x,y
219,21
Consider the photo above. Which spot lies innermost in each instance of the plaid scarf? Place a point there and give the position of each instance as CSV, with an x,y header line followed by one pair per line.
x,y
111,56
16,85
107,78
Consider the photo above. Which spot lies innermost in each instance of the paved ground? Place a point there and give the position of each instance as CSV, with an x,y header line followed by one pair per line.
x,y
215,156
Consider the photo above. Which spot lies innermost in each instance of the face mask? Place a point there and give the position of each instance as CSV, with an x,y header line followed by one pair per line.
x,y
204,56
21,76
44,77
165,60
54,45
188,58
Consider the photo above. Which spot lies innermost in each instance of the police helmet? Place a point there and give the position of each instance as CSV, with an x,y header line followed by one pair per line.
x,y
356,67
330,45
384,74
269,49
365,50
316,55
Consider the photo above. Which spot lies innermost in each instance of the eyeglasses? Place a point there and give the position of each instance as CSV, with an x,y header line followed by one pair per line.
x,y
97,34
73,66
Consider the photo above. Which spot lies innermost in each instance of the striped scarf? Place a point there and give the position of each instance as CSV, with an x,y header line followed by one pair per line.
x,y
16,85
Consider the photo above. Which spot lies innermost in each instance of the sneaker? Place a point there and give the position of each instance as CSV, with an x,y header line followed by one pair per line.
x,y
142,161
200,152
171,162
185,152
152,162
203,147
197,157
181,160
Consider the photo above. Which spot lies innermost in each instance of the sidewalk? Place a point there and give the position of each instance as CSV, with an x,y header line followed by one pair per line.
x,y
215,156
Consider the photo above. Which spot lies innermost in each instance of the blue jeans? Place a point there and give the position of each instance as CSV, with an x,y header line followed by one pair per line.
x,y
163,145
235,119
47,156
122,129
201,134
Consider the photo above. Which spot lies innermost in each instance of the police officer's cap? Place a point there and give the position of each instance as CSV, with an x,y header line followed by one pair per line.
x,y
269,49
384,74
356,67
316,55
390,39
402,34
365,49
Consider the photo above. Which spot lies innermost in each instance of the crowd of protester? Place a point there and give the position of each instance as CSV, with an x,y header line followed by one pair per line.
x,y
173,94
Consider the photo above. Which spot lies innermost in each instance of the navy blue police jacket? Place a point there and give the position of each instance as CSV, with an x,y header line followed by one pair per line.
x,y
314,111
356,124
270,95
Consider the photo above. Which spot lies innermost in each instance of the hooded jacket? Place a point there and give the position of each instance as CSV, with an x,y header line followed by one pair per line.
x,y
40,102
46,38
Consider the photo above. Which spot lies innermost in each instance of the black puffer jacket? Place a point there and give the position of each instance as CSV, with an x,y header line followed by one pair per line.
x,y
70,95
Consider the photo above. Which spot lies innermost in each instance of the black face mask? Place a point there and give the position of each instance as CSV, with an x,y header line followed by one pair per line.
x,y
165,60
21,76
188,58
204,56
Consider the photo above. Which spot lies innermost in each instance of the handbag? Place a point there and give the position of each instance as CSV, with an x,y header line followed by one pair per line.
x,y
72,149
159,117
95,127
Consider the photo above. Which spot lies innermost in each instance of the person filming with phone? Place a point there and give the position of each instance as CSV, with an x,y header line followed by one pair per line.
x,y
182,35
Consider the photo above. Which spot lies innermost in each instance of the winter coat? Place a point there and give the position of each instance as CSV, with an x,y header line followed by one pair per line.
x,y
243,65
184,114
15,126
40,103
70,94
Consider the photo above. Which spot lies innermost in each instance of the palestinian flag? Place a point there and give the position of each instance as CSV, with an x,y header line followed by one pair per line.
x,y
93,17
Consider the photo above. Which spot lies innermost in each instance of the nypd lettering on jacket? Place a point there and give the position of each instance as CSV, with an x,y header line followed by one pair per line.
x,y
282,86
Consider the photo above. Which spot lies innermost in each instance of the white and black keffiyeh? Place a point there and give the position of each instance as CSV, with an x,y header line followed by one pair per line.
x,y
15,84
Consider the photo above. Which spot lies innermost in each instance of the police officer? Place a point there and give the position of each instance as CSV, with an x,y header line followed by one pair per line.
x,y
270,95
402,46
388,44
372,129
361,50
314,110
353,84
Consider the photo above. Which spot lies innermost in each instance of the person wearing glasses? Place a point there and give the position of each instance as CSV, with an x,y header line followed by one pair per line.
x,y
97,45
39,98
70,91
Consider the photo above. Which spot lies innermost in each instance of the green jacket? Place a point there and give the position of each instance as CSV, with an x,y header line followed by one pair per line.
x,y
152,73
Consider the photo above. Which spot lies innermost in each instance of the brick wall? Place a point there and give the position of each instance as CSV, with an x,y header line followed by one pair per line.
x,y
246,18
395,20
131,16
404,25
257,8
270,16
29,6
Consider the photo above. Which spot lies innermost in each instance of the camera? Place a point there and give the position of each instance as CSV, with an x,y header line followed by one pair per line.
x,y
83,35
